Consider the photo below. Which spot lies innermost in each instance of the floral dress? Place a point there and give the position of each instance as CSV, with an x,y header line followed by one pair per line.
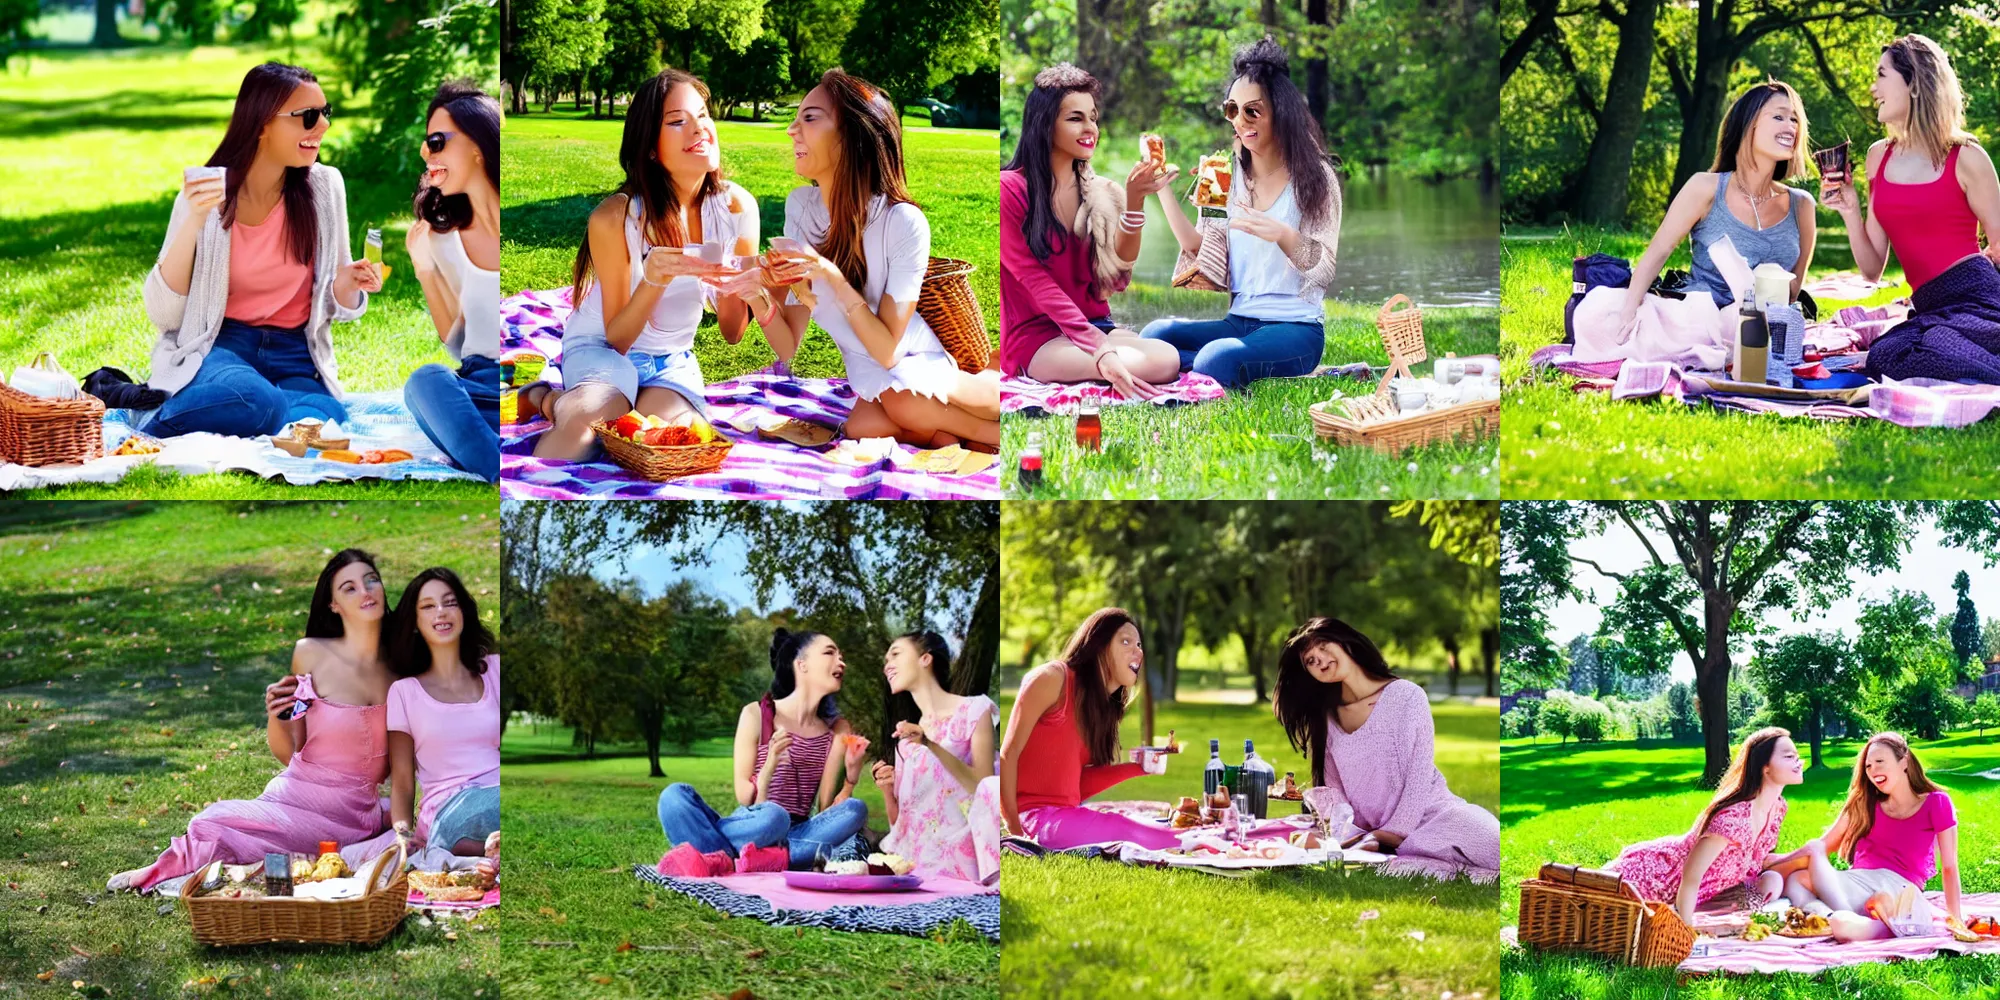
x,y
1654,867
940,828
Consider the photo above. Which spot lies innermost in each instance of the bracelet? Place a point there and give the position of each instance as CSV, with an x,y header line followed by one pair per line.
x,y
857,304
656,284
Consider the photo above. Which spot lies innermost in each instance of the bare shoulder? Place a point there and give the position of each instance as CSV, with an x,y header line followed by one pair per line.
x,y
1973,158
1877,150
610,212
308,654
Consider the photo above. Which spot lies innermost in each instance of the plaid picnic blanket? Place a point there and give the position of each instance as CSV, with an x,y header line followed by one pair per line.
x,y
917,914
1809,955
755,469
1023,393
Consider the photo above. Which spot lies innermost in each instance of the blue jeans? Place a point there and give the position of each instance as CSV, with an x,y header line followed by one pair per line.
x,y
472,813
1237,350
687,819
460,412
254,380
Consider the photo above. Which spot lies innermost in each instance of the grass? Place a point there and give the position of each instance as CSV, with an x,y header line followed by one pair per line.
x,y
1581,805
1561,443
557,167
95,143
137,643
1258,442
1077,928
575,827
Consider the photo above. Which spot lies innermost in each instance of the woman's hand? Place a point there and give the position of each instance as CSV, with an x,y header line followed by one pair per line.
x,y
664,264
1362,842
281,695
885,778
1628,314
1115,371
1836,193
803,263
1141,182
751,287
204,195
855,748
356,276
1248,220
1152,763
1388,840
911,733
418,243
781,743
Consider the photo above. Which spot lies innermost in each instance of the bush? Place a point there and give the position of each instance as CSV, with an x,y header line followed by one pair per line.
x,y
1520,721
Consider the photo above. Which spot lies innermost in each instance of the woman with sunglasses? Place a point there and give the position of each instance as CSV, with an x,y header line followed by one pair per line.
x,y
1279,244
455,254
864,246
630,343
255,271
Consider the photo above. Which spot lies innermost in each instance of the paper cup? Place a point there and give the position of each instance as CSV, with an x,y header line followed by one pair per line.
x,y
191,174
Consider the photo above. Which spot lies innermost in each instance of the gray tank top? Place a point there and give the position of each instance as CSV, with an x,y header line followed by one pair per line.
x,y
1776,244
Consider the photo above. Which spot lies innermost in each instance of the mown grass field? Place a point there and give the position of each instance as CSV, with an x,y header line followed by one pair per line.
x,y
556,168
95,142
1559,443
1581,805
137,642
1076,928
580,925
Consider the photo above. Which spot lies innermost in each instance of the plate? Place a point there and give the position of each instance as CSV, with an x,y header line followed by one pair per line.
x,y
823,882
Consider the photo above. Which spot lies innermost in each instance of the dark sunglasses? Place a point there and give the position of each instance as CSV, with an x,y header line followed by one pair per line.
x,y
436,140
310,116
1251,113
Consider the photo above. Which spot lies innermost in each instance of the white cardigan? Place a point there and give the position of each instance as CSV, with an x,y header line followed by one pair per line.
x,y
188,323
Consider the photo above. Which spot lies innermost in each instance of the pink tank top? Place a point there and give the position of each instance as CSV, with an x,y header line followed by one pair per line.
x,y
266,286
350,739
796,783
1930,226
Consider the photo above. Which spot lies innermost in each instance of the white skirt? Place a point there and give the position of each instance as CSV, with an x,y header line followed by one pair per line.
x,y
927,374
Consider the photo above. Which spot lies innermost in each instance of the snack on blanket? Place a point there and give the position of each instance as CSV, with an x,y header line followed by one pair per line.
x,y
1799,923
1287,788
655,432
889,864
138,444
1186,814
450,887
1762,925
803,433
1308,839
1211,186
844,867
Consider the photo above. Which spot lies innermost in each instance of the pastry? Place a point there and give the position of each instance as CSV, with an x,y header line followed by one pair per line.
x,y
1211,186
1172,745
1155,149
889,864
803,433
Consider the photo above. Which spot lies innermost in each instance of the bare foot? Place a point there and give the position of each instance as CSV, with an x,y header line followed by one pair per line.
x,y
123,880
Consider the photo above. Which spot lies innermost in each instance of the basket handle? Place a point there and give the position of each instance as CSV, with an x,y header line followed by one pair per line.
x,y
1389,308
375,868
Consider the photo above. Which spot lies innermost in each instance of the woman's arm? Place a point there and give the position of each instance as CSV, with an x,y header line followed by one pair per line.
x,y
843,765
1184,229
626,309
438,297
198,200
1706,850
1419,753
1982,192
732,314
1044,296
1865,235
1039,692
885,782
1695,199
402,781
1947,852
1808,241
284,737
753,784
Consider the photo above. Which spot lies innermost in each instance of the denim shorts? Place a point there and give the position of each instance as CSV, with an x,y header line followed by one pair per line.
x,y
587,358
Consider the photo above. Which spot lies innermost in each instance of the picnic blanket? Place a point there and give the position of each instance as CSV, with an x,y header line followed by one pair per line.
x,y
755,468
375,420
765,896
1021,393
1809,955
419,901
1848,286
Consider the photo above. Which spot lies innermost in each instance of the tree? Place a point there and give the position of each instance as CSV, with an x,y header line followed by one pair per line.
x,y
757,74
813,31
1683,719
1534,575
1897,633
1923,702
1558,716
907,46
1989,640
1984,711
549,41
1803,677
1965,638
1521,720
1707,562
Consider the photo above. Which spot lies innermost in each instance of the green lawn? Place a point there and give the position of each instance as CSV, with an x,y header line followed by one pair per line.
x,y
137,643
1562,443
1581,805
557,167
1096,929
95,144
575,827
1259,442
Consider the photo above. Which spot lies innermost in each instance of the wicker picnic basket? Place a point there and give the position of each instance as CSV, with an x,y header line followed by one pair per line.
x,y
947,304
1376,421
367,919
37,431
660,463
1567,908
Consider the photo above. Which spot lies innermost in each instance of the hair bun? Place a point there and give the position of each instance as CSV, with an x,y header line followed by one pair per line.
x,y
1264,55
1066,76
784,647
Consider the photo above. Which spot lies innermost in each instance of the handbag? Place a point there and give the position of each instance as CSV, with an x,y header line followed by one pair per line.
x,y
1207,269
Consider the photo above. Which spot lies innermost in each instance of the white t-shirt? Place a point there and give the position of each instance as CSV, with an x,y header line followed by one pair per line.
x,y
896,247
670,329
478,294
1265,281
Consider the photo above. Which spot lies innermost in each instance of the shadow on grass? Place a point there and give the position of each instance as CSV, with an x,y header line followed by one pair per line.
x,y
37,518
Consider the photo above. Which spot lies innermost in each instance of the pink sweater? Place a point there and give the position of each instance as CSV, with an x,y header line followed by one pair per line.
x,y
1042,300
1387,770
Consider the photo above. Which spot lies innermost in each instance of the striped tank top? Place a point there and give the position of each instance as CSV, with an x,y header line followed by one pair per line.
x,y
795,782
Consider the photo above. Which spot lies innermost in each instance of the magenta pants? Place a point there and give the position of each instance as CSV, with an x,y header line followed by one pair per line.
x,y
1062,827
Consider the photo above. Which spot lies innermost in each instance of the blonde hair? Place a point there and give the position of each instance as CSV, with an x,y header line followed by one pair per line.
x,y
1858,812
1936,123
1734,136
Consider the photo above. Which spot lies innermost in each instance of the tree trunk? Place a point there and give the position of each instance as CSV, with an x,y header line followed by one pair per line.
x,y
1708,92
106,36
1316,66
1451,664
1489,652
1254,656
1814,731
1711,685
1601,194
650,723
974,671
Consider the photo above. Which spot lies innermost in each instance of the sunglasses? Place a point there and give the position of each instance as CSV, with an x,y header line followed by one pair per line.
x,y
1230,109
310,116
436,140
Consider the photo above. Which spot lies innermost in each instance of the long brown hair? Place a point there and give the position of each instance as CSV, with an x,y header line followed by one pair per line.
x,y
1304,705
1937,102
1745,777
1032,157
871,163
1099,709
646,178
264,91
1858,811
1741,122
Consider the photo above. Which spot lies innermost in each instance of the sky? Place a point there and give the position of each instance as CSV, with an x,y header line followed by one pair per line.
x,y
1928,566
722,575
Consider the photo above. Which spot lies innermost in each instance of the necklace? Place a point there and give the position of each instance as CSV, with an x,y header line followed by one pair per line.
x,y
1756,206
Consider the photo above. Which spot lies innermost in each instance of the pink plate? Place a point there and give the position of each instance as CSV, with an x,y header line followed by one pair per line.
x,y
852,883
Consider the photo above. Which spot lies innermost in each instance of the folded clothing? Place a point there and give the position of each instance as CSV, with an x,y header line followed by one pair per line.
x,y
1953,332
118,391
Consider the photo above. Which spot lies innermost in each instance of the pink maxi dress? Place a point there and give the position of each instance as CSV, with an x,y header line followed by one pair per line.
x,y
940,828
1387,771
328,792
1654,867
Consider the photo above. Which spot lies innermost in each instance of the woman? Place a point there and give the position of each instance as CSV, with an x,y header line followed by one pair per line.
x,y
630,343
254,272
333,748
1729,846
941,793
865,247
1283,233
1063,738
444,718
1742,197
796,766
1933,189
455,253
1368,735
1065,247
1895,831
